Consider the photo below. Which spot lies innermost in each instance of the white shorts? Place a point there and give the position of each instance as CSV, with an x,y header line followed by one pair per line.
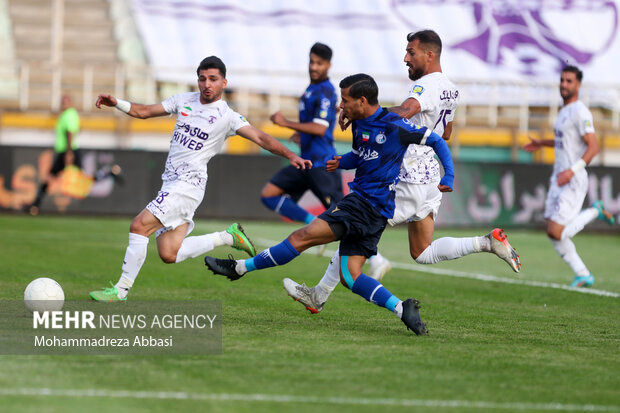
x,y
564,203
173,209
415,201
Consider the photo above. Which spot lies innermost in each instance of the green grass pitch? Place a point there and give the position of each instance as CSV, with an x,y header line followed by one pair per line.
x,y
492,346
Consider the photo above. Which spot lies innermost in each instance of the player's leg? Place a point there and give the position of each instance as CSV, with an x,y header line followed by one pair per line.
x,y
316,233
57,167
596,211
314,298
142,226
568,252
275,194
175,246
562,208
374,292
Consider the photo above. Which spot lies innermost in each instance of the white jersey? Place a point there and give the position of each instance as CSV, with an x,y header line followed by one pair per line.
x,y
199,134
438,98
572,123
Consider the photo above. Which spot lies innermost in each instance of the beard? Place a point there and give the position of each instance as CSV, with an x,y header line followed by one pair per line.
x,y
415,74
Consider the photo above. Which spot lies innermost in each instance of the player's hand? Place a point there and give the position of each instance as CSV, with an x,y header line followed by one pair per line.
x,y
278,118
296,138
444,188
343,121
300,163
105,100
333,164
69,158
564,177
532,145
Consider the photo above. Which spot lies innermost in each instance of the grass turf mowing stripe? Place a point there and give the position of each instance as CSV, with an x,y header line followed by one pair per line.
x,y
275,398
474,276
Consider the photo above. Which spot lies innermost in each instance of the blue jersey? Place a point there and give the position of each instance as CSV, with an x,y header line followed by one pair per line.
x,y
318,104
379,144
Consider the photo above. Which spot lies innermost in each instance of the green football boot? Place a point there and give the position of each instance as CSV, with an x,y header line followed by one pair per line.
x,y
107,294
241,241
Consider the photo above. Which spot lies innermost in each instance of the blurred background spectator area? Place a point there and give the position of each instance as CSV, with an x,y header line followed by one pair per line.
x,y
145,51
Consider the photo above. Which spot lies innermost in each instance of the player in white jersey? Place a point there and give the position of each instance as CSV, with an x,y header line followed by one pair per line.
x,y
204,121
431,102
575,145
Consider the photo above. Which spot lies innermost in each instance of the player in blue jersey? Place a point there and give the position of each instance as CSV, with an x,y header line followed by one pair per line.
x,y
380,140
314,133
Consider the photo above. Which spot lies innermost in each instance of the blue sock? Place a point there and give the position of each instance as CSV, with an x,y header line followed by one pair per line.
x,y
373,291
285,206
277,255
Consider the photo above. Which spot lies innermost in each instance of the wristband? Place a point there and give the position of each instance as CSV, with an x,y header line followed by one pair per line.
x,y
123,105
578,166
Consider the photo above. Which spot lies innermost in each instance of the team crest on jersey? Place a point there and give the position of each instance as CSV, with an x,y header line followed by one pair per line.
x,y
365,136
417,89
187,110
380,138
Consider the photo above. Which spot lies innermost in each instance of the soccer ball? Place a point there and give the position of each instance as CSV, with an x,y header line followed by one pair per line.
x,y
44,294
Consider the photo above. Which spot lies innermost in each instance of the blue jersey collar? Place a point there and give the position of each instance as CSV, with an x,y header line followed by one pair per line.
x,y
374,115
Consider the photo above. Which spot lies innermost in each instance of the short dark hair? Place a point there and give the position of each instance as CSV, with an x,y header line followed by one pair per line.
x,y
322,50
573,69
361,84
212,62
428,38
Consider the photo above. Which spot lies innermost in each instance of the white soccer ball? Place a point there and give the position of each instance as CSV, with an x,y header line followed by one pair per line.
x,y
44,294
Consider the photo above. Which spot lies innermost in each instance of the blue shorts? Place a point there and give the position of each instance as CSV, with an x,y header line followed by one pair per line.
x,y
357,224
326,186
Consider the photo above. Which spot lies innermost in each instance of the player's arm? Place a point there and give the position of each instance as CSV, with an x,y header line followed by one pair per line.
x,y
592,149
135,110
311,128
423,136
407,109
447,132
535,144
271,144
347,161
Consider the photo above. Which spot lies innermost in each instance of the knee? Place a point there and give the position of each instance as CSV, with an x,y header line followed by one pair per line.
x,y
416,250
136,226
167,256
270,190
264,193
554,235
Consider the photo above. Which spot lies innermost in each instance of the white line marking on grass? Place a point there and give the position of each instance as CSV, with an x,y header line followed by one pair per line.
x,y
283,398
472,275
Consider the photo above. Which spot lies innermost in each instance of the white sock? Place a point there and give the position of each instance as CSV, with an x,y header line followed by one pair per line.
x,y
195,246
448,248
240,267
376,257
398,310
225,239
134,258
584,218
568,252
331,278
